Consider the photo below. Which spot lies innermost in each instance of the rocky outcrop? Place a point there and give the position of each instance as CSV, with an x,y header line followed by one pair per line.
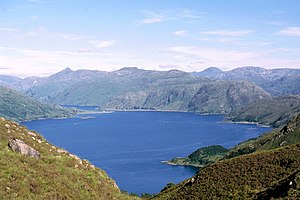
x,y
19,146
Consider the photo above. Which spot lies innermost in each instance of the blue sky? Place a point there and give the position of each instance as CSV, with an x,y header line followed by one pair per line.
x,y
41,37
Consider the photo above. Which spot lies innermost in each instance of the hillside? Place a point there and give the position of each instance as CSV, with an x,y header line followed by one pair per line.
x,y
286,135
49,173
6,80
275,81
253,176
274,111
133,88
262,168
225,96
16,106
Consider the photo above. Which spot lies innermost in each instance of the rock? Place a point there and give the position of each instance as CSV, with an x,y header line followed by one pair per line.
x,y
19,146
7,126
32,134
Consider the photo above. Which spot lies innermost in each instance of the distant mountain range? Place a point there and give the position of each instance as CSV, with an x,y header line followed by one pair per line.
x,y
275,81
245,92
19,107
133,88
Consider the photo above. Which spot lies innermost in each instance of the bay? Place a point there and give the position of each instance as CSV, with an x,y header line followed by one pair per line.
x,y
130,146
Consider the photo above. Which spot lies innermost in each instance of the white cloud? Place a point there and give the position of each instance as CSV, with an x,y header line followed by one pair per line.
x,y
8,29
158,17
102,43
180,33
72,37
227,33
152,17
290,31
186,13
212,53
152,20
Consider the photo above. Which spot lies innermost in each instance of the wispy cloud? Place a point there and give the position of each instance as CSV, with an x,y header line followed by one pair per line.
x,y
228,33
290,31
152,17
162,16
180,33
72,37
186,13
102,43
211,54
8,29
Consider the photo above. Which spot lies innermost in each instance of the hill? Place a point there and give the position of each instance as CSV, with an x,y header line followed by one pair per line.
x,y
201,157
133,88
7,80
262,168
275,81
19,107
252,176
275,111
31,168
286,135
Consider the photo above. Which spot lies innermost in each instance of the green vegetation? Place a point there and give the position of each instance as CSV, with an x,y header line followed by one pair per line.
x,y
243,177
274,111
57,174
287,135
263,168
201,157
18,107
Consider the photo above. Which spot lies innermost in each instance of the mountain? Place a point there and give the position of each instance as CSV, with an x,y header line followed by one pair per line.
x,y
6,80
17,106
225,96
133,88
264,168
274,111
32,168
275,81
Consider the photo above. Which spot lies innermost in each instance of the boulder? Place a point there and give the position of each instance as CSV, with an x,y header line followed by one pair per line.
x,y
19,146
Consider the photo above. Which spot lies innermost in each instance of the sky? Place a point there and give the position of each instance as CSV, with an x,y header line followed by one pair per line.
x,y
42,37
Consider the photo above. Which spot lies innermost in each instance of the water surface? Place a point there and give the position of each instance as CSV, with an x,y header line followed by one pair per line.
x,y
129,146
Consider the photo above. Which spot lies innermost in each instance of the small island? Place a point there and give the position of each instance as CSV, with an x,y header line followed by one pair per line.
x,y
200,157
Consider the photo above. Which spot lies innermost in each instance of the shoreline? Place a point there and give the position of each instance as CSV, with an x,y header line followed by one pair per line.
x,y
176,164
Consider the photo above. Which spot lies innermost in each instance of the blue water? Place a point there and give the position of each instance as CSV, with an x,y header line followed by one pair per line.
x,y
130,145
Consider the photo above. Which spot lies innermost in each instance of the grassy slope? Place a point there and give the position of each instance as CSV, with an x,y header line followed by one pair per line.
x,y
287,135
243,177
256,169
56,175
16,106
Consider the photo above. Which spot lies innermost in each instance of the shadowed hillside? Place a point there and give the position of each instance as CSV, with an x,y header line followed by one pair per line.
x,y
19,107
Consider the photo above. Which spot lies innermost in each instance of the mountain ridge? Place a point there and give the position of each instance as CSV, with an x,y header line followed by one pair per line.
x,y
279,81
134,88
